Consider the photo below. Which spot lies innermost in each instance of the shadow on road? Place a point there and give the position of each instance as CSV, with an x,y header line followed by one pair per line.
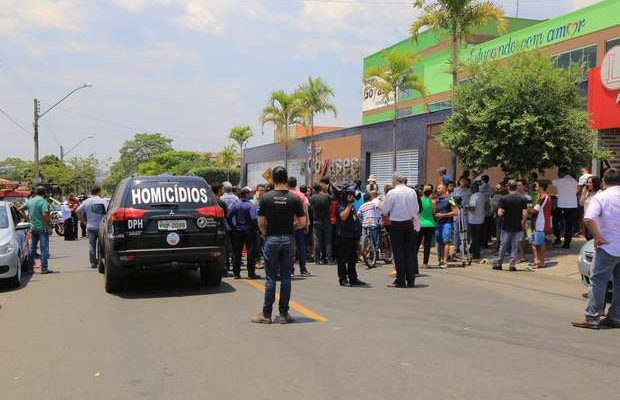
x,y
169,284
26,277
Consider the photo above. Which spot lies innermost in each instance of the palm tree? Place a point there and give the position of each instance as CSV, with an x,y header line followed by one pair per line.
x,y
315,98
392,78
458,18
241,135
283,110
227,158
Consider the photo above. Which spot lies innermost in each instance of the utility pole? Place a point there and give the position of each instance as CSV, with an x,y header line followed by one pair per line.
x,y
37,116
37,173
517,15
62,154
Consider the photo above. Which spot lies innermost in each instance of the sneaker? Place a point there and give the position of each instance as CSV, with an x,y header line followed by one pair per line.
x,y
497,267
261,319
344,283
286,319
47,271
609,323
305,272
255,276
442,265
584,323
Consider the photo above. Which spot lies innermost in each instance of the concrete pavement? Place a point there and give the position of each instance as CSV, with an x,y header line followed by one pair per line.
x,y
464,333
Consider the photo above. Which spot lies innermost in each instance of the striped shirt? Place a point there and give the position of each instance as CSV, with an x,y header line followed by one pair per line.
x,y
370,213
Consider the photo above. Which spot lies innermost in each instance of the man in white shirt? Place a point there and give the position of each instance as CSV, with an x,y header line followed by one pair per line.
x,y
566,187
603,220
401,205
477,206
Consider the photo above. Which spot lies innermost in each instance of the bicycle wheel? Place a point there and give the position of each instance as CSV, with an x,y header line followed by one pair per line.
x,y
369,254
386,248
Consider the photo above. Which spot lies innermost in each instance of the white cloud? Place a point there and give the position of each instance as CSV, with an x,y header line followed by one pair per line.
x,y
61,15
577,4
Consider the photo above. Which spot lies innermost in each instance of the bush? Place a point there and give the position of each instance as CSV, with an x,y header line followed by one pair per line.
x,y
217,174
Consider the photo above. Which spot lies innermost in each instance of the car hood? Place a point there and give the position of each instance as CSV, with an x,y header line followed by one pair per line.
x,y
6,235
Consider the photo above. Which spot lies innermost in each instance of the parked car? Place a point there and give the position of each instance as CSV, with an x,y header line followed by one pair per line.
x,y
13,244
161,223
585,262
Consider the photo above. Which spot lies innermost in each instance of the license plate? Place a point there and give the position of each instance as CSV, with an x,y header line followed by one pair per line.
x,y
172,225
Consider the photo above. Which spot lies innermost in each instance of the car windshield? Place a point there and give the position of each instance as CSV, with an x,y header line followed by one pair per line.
x,y
4,218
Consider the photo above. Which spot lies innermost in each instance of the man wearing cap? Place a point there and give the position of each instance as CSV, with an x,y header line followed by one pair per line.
x,y
242,215
372,184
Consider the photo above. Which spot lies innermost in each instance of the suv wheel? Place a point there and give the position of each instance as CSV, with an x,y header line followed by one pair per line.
x,y
211,272
100,262
113,275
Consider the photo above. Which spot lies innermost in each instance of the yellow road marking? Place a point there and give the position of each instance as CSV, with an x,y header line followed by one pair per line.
x,y
293,304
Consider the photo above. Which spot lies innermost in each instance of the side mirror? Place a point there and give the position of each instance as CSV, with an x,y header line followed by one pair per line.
x,y
23,226
98,209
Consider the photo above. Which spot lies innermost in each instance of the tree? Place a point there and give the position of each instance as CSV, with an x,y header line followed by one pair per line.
x,y
522,114
459,18
395,76
241,135
16,169
136,151
315,98
174,162
84,172
283,110
228,157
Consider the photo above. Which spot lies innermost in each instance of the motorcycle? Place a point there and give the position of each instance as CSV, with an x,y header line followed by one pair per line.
x,y
58,223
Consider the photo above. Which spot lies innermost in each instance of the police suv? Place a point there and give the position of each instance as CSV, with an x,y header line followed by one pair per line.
x,y
161,223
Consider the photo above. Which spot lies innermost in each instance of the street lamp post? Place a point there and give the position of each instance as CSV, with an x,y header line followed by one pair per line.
x,y
37,116
63,153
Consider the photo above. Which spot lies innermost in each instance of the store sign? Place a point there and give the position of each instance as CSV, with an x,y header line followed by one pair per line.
x,y
374,98
610,69
603,103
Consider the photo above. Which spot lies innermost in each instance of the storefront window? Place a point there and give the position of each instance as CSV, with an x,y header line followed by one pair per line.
x,y
611,44
585,57
442,105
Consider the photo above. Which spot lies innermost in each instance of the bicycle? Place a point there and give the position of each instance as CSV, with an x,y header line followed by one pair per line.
x,y
375,245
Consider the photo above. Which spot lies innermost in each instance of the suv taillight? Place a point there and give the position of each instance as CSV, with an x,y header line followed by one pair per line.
x,y
211,211
124,214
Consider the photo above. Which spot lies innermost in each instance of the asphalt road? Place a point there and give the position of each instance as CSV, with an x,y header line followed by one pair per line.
x,y
463,334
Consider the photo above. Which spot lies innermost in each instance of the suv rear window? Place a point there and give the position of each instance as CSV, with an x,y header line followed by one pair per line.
x,y
186,193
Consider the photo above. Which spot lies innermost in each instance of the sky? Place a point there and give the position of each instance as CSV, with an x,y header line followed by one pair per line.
x,y
190,69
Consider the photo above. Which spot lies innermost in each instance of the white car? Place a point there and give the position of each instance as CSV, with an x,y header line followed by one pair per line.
x,y
13,244
585,262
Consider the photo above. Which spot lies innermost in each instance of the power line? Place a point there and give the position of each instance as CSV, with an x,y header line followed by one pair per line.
x,y
17,124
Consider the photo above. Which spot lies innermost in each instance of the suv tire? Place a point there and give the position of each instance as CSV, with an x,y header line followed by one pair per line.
x,y
100,262
113,276
211,272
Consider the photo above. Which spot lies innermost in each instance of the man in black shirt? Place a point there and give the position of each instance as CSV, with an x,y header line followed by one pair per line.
x,y
512,210
322,229
277,223
349,230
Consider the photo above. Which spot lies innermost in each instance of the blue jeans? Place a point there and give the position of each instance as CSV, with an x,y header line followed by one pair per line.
x,y
322,242
93,235
42,238
279,253
509,241
604,268
300,248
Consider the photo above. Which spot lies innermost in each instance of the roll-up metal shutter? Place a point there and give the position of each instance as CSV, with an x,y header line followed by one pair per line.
x,y
407,163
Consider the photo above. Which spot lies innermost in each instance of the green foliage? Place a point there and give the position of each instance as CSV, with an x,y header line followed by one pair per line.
x,y
174,162
521,114
136,151
16,169
396,74
240,135
228,156
217,174
315,98
283,111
